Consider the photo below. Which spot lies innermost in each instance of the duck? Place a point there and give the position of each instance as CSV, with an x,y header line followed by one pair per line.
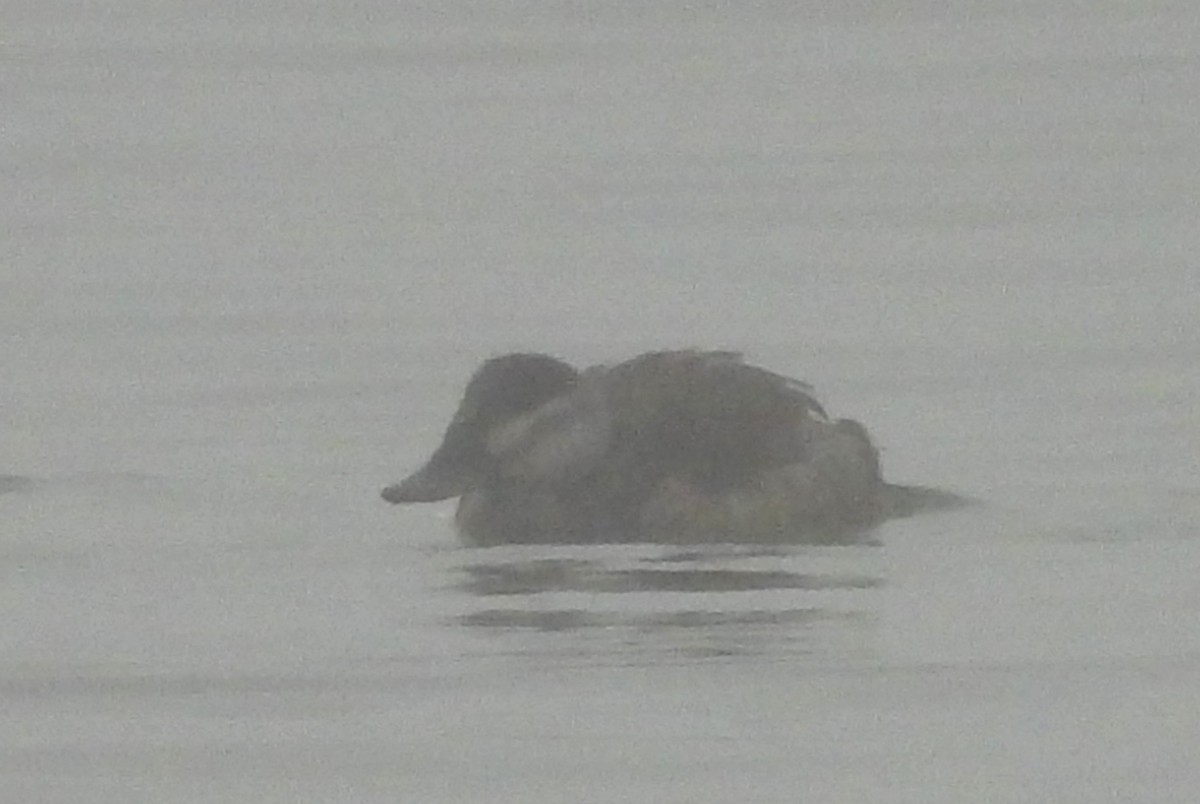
x,y
682,446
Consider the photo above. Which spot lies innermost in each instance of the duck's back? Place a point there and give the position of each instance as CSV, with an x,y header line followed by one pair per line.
x,y
706,418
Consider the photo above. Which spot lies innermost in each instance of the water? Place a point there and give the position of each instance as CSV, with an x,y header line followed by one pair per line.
x,y
252,254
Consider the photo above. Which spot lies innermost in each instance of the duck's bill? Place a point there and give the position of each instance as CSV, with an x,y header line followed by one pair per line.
x,y
446,475
431,483
450,472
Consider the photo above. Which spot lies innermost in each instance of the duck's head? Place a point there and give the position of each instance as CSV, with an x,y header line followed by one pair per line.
x,y
502,389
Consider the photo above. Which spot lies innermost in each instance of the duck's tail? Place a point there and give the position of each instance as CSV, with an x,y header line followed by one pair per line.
x,y
901,501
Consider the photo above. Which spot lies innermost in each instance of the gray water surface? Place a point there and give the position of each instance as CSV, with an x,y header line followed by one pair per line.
x,y
252,253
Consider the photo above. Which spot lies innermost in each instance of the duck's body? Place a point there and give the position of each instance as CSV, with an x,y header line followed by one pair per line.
x,y
681,447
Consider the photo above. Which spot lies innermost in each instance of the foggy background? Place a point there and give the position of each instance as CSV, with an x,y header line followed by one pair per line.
x,y
251,253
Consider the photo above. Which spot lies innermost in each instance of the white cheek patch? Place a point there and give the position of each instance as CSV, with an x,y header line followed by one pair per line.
x,y
569,452
818,416
564,438
508,436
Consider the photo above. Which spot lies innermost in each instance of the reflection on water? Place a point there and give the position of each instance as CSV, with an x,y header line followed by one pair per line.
x,y
640,604
544,575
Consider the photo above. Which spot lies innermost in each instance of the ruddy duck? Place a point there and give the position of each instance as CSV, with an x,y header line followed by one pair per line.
x,y
679,446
